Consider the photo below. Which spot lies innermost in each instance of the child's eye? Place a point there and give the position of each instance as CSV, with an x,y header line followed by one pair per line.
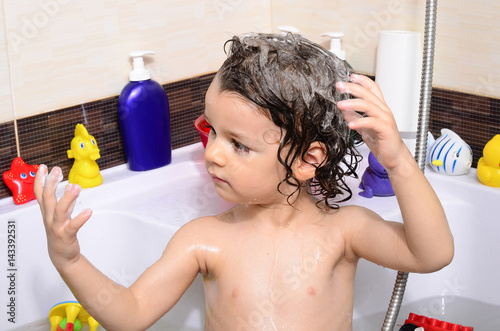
x,y
239,147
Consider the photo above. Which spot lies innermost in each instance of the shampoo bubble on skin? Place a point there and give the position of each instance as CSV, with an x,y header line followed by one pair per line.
x,y
144,118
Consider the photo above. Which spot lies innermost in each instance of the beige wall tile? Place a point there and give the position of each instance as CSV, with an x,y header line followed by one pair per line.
x,y
360,21
67,52
64,52
6,109
467,54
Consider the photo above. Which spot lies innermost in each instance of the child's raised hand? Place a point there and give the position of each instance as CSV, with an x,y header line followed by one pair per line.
x,y
378,129
61,230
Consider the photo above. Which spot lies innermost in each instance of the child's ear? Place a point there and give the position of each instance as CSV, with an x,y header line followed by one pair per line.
x,y
305,168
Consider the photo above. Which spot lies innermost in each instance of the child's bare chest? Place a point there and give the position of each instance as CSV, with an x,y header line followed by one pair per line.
x,y
277,278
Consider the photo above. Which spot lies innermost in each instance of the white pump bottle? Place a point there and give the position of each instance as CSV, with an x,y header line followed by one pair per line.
x,y
138,72
288,28
336,43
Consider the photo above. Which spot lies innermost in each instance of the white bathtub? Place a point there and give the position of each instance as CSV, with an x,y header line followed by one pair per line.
x,y
135,214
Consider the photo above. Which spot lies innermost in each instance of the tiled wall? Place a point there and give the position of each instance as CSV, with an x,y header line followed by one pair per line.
x,y
55,53
467,34
8,152
46,138
475,118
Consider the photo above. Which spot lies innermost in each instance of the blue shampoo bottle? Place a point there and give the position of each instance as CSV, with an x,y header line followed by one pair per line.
x,y
144,117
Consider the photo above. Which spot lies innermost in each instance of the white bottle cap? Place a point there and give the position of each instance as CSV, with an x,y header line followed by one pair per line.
x,y
138,72
288,28
335,45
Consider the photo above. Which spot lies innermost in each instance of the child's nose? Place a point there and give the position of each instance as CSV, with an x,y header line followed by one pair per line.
x,y
214,153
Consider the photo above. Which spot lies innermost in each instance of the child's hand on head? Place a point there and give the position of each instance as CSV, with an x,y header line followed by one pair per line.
x,y
61,230
378,129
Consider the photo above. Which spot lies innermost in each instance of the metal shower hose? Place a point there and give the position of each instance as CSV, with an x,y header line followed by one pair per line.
x,y
421,145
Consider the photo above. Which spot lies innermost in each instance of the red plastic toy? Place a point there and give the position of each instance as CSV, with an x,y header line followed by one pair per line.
x,y
432,324
20,179
202,126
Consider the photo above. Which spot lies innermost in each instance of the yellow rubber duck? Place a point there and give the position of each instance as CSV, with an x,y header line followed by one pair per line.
x,y
488,167
85,171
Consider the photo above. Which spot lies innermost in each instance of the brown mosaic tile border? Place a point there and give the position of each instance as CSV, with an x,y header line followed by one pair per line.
x,y
45,138
476,119
8,152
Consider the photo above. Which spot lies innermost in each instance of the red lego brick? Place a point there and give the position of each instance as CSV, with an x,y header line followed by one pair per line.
x,y
432,324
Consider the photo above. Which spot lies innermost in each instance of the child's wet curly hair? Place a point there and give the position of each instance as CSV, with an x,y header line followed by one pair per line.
x,y
293,80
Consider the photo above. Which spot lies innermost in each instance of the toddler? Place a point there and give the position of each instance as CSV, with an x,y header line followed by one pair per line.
x,y
284,258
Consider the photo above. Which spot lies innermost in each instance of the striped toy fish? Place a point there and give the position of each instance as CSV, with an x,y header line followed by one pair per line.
x,y
449,154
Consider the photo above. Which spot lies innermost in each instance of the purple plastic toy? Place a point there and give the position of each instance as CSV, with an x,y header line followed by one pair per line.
x,y
375,181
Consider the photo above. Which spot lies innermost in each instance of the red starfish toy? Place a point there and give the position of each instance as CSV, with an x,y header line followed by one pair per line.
x,y
20,179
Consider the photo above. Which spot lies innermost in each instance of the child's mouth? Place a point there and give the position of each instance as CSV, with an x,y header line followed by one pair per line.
x,y
218,180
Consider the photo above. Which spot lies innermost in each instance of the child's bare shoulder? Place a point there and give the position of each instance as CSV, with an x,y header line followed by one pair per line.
x,y
196,238
352,211
356,210
203,229
199,226
352,217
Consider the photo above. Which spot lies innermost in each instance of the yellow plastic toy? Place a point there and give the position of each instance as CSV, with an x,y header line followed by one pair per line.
x,y
488,167
85,171
70,316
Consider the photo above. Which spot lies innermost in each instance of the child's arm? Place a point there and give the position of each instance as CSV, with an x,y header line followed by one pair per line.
x,y
112,305
424,243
